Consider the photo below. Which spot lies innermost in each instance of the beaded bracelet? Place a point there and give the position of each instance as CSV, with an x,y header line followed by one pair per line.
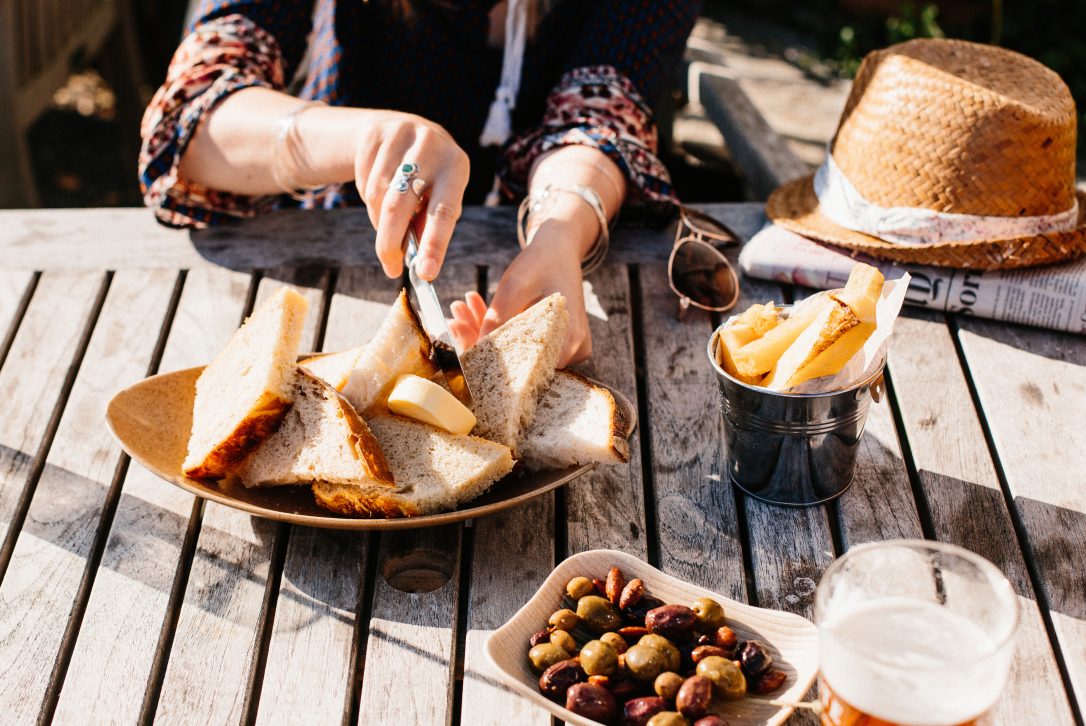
x,y
285,147
534,203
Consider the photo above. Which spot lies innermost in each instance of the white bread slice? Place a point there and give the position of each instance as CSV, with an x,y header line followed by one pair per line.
x,y
434,470
509,368
321,438
400,346
576,423
244,393
334,368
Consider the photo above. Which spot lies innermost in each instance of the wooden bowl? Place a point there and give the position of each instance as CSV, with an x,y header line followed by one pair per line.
x,y
792,640
152,419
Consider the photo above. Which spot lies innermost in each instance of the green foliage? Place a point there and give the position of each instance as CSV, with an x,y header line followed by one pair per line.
x,y
856,39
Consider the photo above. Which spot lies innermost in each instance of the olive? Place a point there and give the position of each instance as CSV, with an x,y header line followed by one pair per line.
x,y
578,587
728,680
768,682
564,640
616,641
754,658
709,612
668,718
694,697
564,619
711,720
667,685
672,656
644,662
598,658
704,651
543,636
638,711
671,621
544,655
635,614
591,701
623,686
557,679
598,614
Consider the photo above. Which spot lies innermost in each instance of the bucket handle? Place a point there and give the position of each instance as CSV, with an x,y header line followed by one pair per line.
x,y
878,388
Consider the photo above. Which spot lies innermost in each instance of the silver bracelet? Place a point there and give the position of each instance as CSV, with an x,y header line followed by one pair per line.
x,y
538,202
284,147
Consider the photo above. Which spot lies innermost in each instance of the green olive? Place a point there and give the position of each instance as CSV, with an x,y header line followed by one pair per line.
x,y
644,662
544,655
579,587
598,614
564,640
598,658
672,657
616,641
564,619
667,685
710,614
668,718
727,678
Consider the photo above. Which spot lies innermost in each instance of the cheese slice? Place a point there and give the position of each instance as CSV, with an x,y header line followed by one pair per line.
x,y
415,397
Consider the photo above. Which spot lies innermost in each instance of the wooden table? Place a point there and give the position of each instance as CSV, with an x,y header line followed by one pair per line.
x,y
124,599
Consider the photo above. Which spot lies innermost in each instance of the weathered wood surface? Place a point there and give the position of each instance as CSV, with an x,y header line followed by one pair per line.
x,y
47,578
963,499
174,609
57,238
1031,385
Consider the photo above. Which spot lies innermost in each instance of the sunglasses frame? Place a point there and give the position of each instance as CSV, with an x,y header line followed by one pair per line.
x,y
696,234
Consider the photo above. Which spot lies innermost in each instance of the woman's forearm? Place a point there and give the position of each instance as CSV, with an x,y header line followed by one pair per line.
x,y
577,165
234,146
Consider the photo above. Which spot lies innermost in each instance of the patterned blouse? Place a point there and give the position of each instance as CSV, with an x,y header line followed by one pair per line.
x,y
589,75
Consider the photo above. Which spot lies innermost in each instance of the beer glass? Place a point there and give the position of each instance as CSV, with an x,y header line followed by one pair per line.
x,y
913,633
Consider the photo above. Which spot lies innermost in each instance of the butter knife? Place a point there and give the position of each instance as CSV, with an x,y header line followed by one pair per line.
x,y
446,355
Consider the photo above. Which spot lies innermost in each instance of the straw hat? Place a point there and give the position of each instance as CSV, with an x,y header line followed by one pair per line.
x,y
948,153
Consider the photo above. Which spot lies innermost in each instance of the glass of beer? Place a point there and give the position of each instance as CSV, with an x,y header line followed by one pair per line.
x,y
913,633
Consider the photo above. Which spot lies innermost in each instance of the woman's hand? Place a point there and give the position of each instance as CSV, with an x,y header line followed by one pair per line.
x,y
385,141
550,264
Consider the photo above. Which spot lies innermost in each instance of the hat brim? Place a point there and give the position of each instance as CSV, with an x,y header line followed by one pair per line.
x,y
794,206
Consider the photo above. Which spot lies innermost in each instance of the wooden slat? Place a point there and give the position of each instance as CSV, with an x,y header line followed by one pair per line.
x,y
116,650
1032,389
51,555
34,376
218,632
606,507
14,296
966,503
523,535
415,632
57,238
309,665
695,508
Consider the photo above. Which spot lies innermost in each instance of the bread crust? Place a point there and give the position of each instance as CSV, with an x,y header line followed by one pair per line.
x,y
358,502
426,346
363,442
261,423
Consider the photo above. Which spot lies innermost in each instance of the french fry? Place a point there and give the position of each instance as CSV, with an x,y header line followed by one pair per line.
x,y
749,326
760,356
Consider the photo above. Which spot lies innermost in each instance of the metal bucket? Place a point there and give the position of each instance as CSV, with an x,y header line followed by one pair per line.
x,y
792,449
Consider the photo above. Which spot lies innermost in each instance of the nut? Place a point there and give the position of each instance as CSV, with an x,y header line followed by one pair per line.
x,y
557,679
638,711
675,622
614,585
754,657
768,682
600,585
704,651
631,594
725,638
694,696
602,681
591,701
633,633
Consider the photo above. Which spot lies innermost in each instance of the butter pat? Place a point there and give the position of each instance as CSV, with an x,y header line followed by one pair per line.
x,y
423,400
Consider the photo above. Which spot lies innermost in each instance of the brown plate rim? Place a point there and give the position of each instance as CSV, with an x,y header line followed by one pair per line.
x,y
349,523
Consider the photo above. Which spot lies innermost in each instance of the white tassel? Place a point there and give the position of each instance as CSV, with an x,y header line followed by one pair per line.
x,y
499,120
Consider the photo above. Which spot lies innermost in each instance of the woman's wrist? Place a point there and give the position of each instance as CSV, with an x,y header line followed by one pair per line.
x,y
328,138
569,217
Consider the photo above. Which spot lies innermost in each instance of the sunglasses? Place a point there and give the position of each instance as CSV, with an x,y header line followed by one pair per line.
x,y
697,270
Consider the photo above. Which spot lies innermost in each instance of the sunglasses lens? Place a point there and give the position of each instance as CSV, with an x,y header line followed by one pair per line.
x,y
702,273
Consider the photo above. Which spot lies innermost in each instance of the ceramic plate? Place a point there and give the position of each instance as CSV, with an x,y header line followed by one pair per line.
x,y
152,420
792,640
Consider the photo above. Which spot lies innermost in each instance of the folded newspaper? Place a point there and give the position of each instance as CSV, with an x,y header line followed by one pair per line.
x,y
1047,297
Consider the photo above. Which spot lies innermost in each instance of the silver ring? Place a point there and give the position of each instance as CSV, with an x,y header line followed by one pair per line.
x,y
402,181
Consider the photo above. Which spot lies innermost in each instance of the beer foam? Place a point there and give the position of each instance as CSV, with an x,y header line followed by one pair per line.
x,y
912,662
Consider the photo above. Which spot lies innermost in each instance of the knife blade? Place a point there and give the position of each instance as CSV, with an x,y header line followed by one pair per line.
x,y
446,351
